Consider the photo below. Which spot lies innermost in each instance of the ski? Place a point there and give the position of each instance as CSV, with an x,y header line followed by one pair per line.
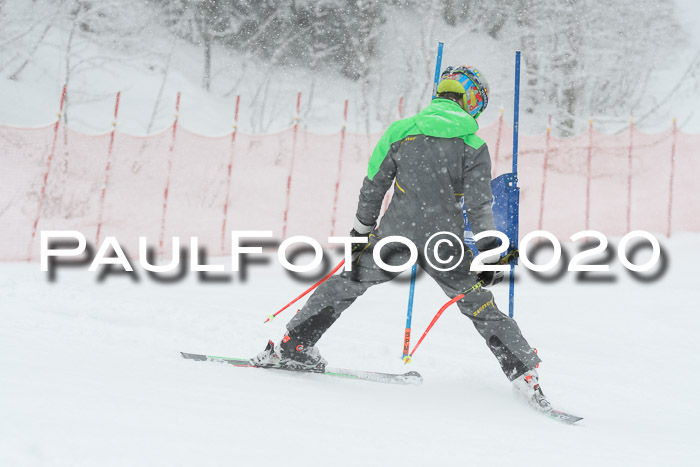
x,y
411,377
562,416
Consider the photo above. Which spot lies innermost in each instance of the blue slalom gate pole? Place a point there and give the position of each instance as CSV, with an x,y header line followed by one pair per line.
x,y
412,289
409,314
438,65
516,114
516,120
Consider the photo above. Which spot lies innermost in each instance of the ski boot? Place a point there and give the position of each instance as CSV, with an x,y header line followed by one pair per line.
x,y
290,355
527,386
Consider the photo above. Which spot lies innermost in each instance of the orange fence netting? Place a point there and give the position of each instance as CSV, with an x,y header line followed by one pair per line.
x,y
657,173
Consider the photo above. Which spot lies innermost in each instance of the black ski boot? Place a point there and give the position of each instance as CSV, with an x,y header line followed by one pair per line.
x,y
296,351
295,355
292,355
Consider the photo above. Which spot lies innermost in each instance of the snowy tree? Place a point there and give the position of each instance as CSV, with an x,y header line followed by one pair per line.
x,y
201,22
581,57
341,33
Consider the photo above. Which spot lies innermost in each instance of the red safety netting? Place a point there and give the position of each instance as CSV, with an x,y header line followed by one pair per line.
x,y
589,181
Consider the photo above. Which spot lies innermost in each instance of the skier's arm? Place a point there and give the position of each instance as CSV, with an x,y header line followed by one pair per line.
x,y
477,193
380,176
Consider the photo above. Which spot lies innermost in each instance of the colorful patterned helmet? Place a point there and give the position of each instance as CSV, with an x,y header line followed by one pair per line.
x,y
469,81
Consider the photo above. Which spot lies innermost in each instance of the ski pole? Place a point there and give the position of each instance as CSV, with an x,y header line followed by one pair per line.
x,y
506,259
412,289
272,316
476,286
516,125
409,314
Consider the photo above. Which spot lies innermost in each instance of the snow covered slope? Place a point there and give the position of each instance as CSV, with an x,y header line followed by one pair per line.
x,y
90,374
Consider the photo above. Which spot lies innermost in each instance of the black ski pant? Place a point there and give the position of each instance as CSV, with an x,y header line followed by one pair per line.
x,y
501,333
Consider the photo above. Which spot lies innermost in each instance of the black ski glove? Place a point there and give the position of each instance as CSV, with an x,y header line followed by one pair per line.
x,y
490,278
360,230
494,277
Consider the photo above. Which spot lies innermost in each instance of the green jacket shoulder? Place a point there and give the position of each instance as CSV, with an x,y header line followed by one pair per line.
x,y
443,118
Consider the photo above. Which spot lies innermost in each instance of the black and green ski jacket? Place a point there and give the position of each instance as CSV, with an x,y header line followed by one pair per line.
x,y
432,159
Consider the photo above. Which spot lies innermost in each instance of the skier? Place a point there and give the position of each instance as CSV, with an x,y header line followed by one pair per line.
x,y
432,159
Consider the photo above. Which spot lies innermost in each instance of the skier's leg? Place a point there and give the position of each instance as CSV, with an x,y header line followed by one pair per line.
x,y
501,333
335,295
325,306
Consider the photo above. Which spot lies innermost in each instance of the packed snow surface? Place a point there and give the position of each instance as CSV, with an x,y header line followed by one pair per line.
x,y
90,374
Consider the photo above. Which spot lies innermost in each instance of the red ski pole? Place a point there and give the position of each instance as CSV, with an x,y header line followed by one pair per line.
x,y
272,316
506,259
438,314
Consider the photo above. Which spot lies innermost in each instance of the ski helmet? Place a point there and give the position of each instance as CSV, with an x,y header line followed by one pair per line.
x,y
466,80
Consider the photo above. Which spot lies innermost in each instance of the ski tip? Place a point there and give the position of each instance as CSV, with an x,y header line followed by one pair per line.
x,y
564,417
193,356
